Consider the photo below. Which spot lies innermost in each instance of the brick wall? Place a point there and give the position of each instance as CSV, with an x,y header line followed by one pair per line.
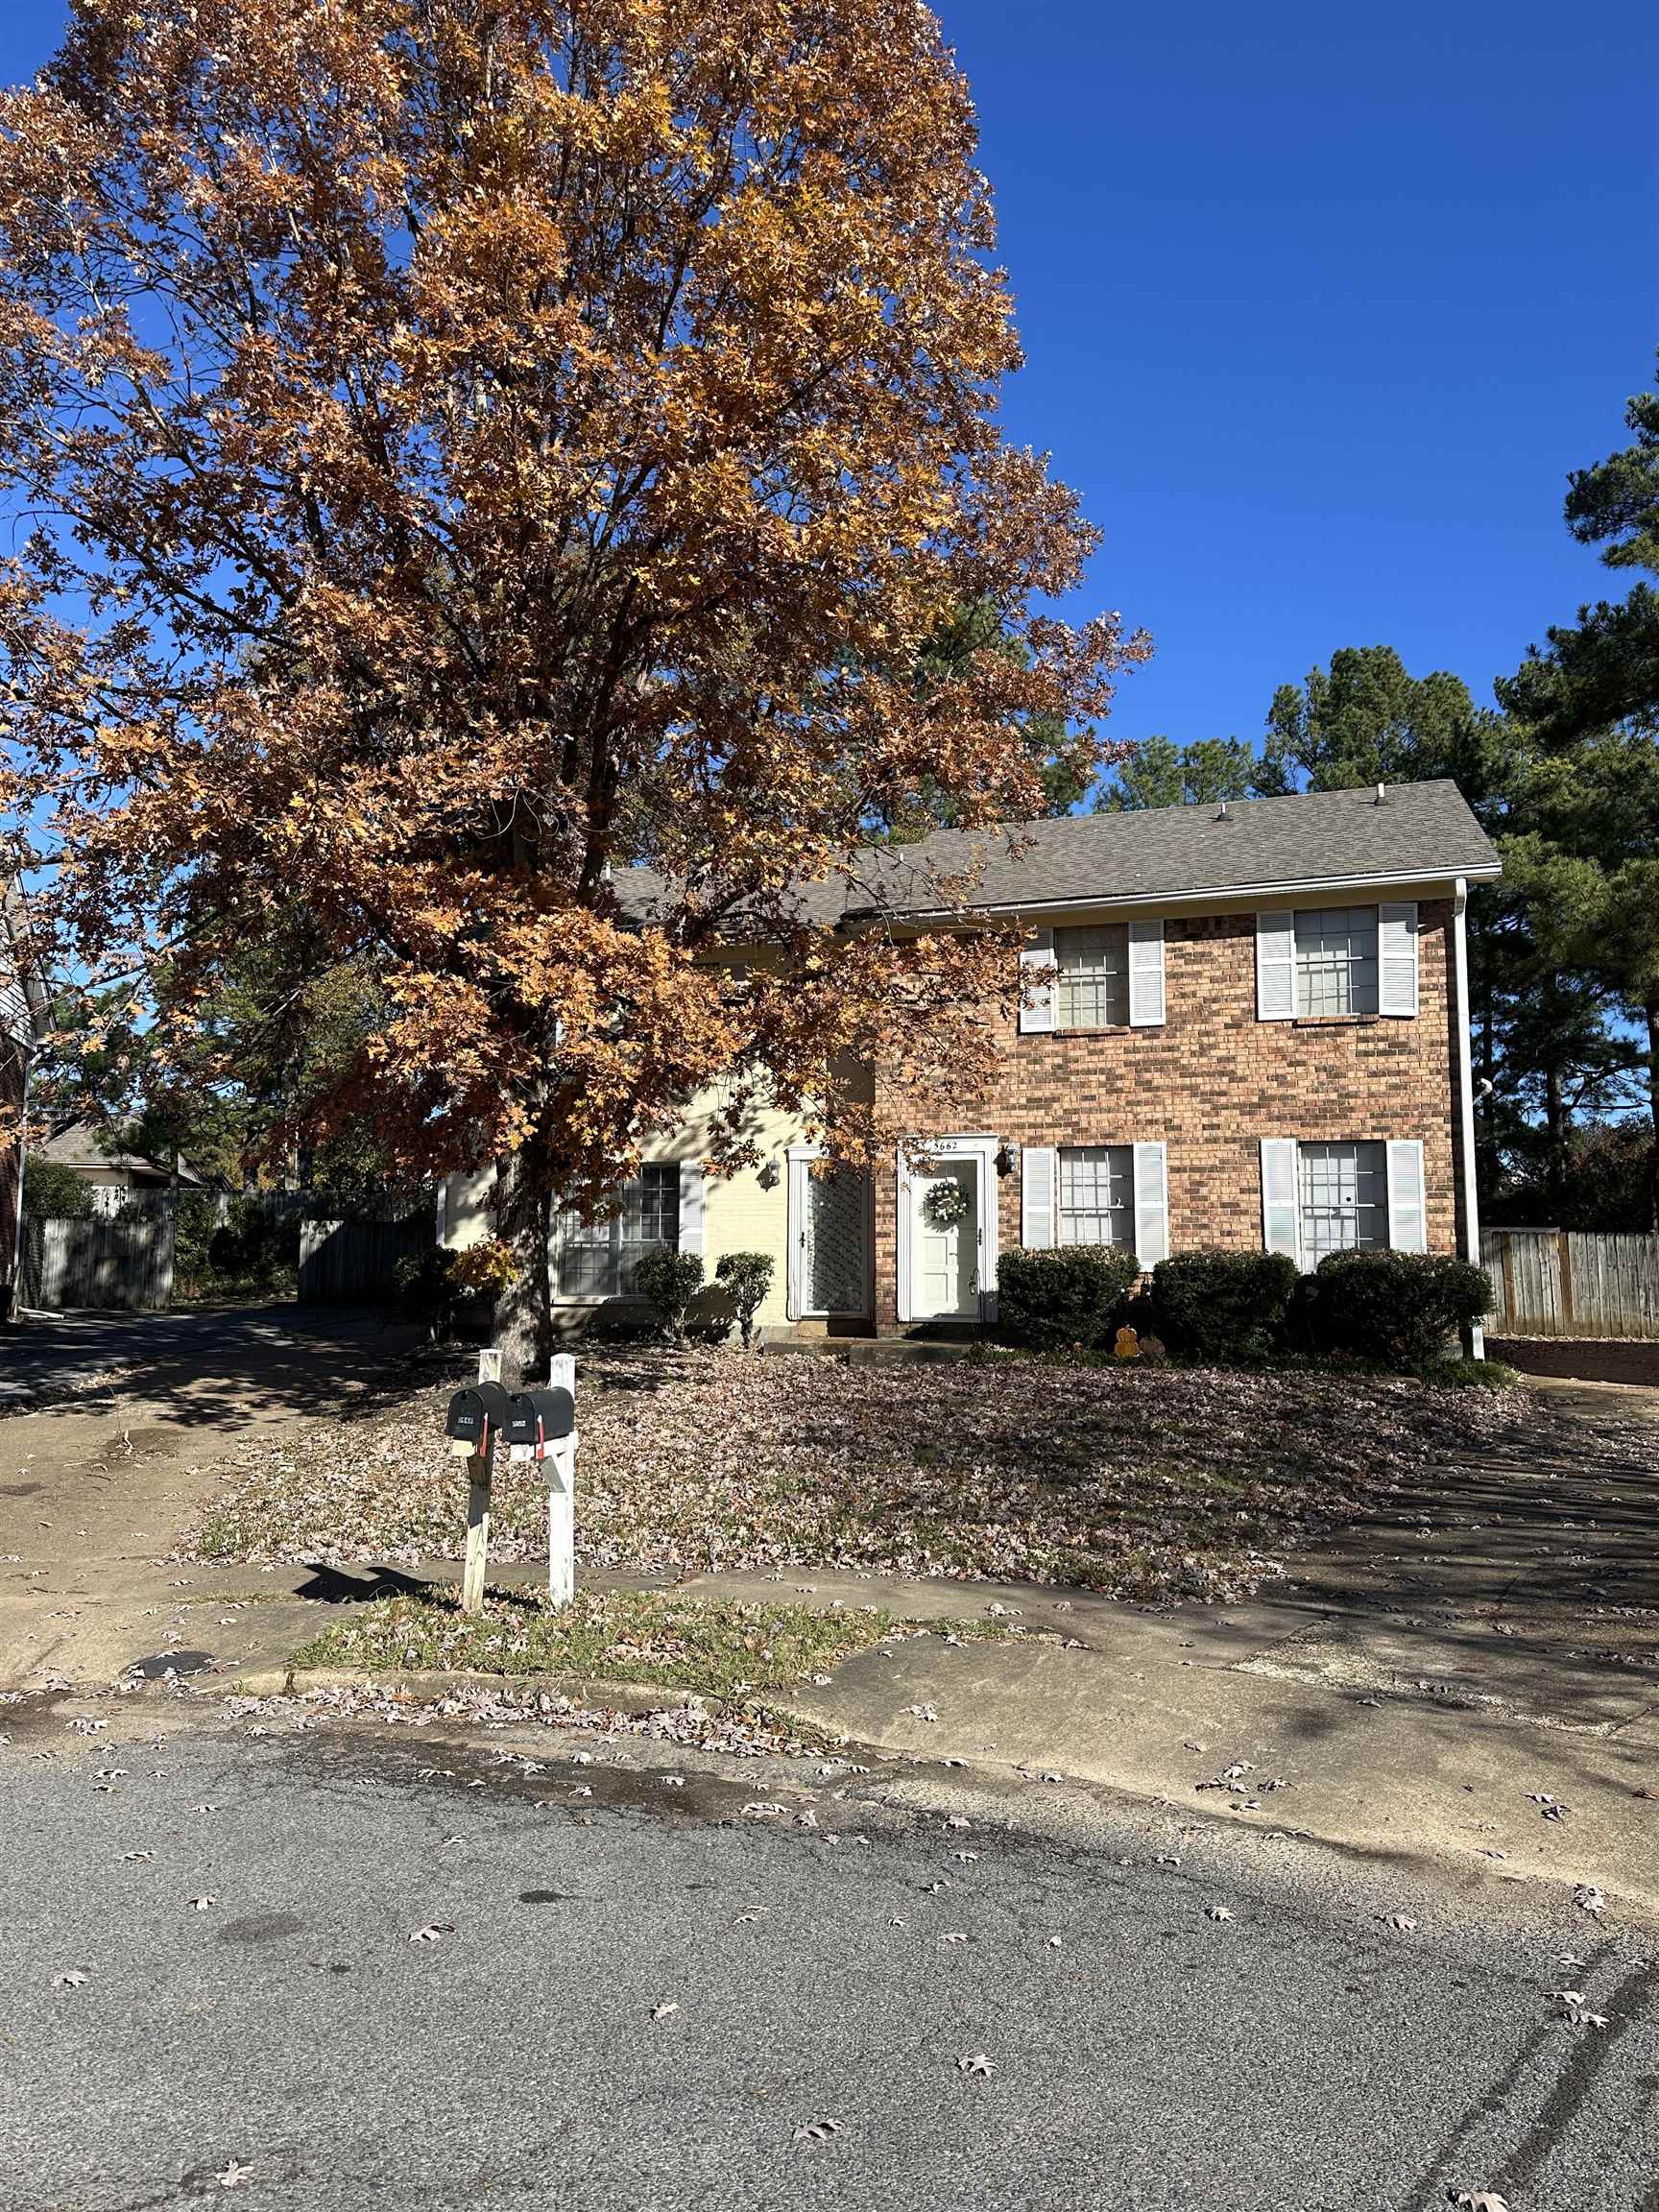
x,y
1212,1082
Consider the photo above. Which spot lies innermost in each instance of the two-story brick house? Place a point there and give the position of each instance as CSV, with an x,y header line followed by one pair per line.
x,y
1243,1026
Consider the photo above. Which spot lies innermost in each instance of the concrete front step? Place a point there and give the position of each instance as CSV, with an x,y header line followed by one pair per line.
x,y
876,1351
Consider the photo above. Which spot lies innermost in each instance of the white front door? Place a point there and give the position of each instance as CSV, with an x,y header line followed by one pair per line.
x,y
945,1242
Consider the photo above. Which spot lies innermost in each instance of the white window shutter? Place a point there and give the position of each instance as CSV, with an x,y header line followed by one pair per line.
x,y
1151,1204
1039,1172
690,1206
1279,1204
1408,1214
1276,967
1145,975
1396,959
1036,998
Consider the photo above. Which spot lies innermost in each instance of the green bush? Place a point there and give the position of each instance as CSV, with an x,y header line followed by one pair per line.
x,y
53,1191
1060,1296
1400,1308
1226,1308
745,1277
668,1281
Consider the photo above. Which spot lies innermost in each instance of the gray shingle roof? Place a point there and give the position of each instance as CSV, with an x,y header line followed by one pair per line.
x,y
1312,840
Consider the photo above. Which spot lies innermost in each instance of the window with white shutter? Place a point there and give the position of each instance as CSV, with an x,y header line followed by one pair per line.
x,y
1336,960
1343,1198
1278,1208
597,1257
1275,966
1037,1180
1037,983
1097,1195
1397,932
1407,1213
1151,1204
1145,975
1091,990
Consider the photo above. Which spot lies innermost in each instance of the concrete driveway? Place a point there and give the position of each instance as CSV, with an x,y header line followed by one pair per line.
x,y
223,1362
95,1486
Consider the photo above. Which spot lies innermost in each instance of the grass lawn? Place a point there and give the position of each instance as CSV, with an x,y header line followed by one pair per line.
x,y
1148,1484
720,1647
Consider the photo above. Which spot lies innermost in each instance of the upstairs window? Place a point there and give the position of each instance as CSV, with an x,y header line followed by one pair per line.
x,y
597,1257
1092,988
1343,1198
1336,960
1097,1195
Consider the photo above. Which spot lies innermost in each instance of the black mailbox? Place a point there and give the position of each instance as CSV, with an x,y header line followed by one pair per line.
x,y
477,1414
539,1416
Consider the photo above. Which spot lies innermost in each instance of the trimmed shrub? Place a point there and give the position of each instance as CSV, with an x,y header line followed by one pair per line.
x,y
1400,1308
668,1281
1225,1308
1062,1296
745,1277
53,1191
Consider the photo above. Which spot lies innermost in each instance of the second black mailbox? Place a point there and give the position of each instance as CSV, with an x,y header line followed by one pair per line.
x,y
477,1413
539,1416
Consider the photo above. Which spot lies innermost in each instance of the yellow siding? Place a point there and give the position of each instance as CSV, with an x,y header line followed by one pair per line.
x,y
741,1213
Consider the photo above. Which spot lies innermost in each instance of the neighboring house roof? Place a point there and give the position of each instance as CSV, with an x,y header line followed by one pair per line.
x,y
78,1144
1311,841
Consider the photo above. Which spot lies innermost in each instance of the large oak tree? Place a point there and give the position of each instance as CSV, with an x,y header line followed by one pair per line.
x,y
471,447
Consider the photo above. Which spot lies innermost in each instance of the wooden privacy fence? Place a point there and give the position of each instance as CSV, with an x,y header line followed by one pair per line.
x,y
354,1263
1557,1282
125,1261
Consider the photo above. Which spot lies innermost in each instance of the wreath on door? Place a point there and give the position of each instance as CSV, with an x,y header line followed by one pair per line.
x,y
945,1204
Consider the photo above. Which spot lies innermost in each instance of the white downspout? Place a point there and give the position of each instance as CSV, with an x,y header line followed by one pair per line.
x,y
1466,1097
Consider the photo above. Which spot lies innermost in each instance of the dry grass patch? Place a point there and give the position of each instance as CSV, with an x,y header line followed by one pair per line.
x,y
1143,1484
724,1649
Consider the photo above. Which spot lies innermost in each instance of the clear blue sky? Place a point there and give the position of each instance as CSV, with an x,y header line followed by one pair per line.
x,y
1319,308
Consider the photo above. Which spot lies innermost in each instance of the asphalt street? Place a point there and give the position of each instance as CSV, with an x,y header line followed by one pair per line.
x,y
866,2004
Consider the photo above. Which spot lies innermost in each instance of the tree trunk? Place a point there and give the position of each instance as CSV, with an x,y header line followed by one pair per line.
x,y
1555,1137
1650,1014
524,1309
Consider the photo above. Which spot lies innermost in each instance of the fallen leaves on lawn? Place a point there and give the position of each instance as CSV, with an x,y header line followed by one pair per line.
x,y
1185,1481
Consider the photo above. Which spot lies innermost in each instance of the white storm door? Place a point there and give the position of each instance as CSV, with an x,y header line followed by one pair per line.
x,y
943,1253
830,1241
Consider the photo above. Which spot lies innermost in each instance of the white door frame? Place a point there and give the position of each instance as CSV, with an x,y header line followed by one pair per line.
x,y
800,1159
980,1151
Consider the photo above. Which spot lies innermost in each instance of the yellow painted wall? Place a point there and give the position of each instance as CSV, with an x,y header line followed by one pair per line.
x,y
741,1212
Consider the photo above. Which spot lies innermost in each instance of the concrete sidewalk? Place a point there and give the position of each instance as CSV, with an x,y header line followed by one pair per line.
x,y
1472,1676
1293,1718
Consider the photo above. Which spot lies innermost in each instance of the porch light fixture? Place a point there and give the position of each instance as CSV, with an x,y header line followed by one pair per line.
x,y
1005,1162
770,1175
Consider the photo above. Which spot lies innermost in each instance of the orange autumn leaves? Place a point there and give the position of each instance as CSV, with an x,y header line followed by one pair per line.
x,y
483,447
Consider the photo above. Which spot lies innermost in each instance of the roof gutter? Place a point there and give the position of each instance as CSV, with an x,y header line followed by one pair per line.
x,y
1105,901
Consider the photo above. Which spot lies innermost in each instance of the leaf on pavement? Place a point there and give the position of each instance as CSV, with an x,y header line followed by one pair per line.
x,y
1218,1913
233,2176
817,2131
664,2011
74,1979
978,2063
434,1932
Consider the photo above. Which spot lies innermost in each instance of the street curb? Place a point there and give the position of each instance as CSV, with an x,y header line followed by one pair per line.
x,y
426,1685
